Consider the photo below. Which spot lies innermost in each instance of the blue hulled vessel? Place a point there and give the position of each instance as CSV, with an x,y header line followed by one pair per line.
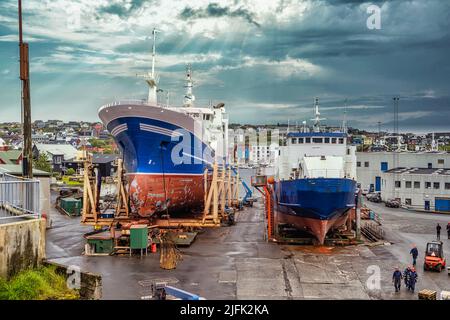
x,y
315,183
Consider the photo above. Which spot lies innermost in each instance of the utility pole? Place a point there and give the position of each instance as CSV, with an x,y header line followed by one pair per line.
x,y
27,156
396,152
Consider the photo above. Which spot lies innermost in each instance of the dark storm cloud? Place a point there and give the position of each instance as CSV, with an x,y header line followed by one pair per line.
x,y
121,10
214,10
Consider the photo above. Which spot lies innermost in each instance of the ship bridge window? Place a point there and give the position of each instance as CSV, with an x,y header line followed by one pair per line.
x,y
341,140
327,140
318,140
307,140
294,140
333,140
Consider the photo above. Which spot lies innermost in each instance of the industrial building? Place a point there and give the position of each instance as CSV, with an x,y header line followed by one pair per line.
x,y
371,165
418,188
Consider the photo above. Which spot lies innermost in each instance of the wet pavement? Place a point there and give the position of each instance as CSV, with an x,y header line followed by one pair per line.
x,y
237,263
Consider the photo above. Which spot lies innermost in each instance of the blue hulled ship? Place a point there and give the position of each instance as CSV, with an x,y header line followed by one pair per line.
x,y
316,179
166,149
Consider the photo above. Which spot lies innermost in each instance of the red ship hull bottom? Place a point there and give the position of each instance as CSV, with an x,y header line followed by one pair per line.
x,y
317,228
151,193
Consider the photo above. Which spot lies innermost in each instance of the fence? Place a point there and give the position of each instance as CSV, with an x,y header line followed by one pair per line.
x,y
18,197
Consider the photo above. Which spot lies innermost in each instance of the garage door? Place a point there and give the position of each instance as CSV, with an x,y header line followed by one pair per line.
x,y
442,204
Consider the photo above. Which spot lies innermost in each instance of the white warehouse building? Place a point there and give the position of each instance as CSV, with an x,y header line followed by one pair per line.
x,y
371,165
418,188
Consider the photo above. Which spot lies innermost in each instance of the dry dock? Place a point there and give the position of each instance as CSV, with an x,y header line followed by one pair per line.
x,y
237,263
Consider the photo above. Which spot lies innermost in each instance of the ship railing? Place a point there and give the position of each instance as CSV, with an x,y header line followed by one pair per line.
x,y
141,102
19,197
325,173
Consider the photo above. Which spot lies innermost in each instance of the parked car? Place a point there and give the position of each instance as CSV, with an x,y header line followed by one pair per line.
x,y
374,197
392,203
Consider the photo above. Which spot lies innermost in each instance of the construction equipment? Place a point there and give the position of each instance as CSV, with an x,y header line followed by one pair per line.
x,y
248,199
434,256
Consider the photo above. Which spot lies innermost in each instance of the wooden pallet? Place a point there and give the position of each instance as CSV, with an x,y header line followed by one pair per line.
x,y
426,294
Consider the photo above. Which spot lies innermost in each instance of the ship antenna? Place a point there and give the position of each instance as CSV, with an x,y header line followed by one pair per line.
x,y
189,98
317,116
151,78
344,121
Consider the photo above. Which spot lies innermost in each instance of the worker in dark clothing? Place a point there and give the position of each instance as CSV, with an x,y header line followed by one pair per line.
x,y
438,231
406,276
397,279
413,279
414,252
448,230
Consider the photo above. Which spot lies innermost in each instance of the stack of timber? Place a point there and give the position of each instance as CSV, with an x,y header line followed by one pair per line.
x,y
372,231
426,294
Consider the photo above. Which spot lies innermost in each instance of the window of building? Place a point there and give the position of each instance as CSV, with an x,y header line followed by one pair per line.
x,y
358,163
307,140
436,185
333,140
430,165
341,140
294,140
384,166
348,152
408,184
318,140
398,184
408,201
327,140
366,164
416,184
440,161
300,140
427,185
447,186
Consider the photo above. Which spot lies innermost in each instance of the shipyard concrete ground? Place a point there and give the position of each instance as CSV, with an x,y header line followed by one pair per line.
x,y
237,263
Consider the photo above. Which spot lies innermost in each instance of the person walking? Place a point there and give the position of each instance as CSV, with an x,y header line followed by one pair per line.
x,y
406,276
438,231
414,253
397,279
413,279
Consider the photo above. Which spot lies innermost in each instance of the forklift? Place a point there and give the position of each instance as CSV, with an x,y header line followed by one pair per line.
x,y
434,256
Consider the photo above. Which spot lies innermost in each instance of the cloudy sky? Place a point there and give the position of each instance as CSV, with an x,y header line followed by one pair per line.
x,y
266,60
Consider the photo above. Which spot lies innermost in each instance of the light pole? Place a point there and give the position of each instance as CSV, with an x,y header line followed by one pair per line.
x,y
27,156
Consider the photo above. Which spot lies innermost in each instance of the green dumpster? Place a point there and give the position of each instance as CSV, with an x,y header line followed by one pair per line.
x,y
71,205
101,245
139,236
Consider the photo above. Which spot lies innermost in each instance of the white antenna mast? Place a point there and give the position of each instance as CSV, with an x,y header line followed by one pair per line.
x,y
151,78
189,98
317,116
344,121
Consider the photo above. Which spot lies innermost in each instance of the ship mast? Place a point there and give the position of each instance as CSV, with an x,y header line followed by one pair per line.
x,y
189,98
151,78
317,118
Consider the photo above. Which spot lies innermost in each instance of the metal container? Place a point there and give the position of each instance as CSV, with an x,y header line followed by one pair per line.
x,y
139,236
